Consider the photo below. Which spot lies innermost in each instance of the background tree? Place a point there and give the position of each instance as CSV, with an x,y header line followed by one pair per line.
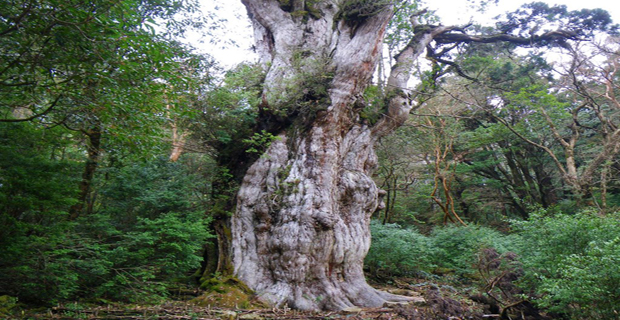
x,y
96,68
575,111
398,174
500,163
84,88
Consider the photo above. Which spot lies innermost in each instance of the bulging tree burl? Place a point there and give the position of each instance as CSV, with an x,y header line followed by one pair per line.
x,y
300,229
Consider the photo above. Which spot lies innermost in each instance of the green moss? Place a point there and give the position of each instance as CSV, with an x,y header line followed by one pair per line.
x,y
6,304
359,10
286,5
313,11
300,97
309,9
213,284
227,292
374,105
299,13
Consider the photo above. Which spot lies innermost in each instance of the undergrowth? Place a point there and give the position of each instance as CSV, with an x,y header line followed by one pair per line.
x,y
566,264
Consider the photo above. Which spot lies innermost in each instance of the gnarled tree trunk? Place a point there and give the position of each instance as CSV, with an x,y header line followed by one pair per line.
x,y
300,229
301,226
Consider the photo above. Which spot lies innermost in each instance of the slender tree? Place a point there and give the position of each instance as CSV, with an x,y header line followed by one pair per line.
x,y
98,68
578,112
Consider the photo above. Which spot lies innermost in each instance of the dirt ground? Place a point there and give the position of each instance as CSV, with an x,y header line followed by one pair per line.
x,y
432,300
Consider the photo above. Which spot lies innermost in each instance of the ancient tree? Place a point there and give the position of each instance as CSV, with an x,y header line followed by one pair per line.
x,y
300,227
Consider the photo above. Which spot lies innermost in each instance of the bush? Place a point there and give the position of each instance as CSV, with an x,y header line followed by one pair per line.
x,y
588,285
150,230
572,262
568,264
396,251
38,184
456,248
136,264
130,248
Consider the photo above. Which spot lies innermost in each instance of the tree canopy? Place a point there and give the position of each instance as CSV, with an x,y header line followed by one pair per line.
x,y
485,156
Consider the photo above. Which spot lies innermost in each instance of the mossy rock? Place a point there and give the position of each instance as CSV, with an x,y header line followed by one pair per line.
x,y
227,292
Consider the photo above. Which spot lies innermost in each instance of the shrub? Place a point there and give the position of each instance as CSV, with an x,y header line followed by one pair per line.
x,y
572,262
456,248
147,231
397,251
151,228
38,184
135,264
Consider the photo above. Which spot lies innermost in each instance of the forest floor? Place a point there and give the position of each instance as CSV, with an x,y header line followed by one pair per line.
x,y
432,300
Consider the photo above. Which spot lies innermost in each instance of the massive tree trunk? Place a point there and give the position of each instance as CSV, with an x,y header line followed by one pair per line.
x,y
301,227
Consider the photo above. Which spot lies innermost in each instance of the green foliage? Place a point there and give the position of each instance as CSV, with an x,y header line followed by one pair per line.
x,y
36,267
539,17
400,29
375,104
457,247
6,304
503,71
155,209
94,64
588,283
137,266
229,111
571,262
397,251
304,93
70,67
148,189
146,231
259,142
38,180
38,184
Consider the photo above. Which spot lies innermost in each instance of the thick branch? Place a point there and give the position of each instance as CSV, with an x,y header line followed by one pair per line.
x,y
558,36
400,104
44,112
610,150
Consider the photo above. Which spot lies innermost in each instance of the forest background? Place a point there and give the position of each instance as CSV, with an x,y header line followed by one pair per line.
x,y
503,182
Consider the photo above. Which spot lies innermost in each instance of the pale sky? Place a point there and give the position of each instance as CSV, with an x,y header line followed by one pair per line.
x,y
451,12
456,11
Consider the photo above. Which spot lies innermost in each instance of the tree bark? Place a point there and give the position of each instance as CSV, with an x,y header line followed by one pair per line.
x,y
301,226
93,136
178,143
